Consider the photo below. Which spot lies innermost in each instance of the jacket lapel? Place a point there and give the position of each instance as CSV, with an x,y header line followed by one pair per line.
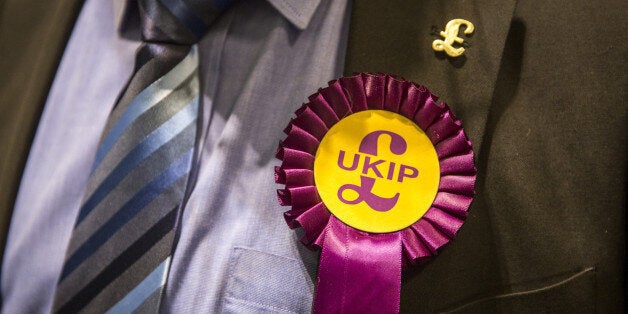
x,y
396,37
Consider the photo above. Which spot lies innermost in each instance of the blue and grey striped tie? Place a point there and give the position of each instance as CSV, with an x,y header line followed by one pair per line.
x,y
119,252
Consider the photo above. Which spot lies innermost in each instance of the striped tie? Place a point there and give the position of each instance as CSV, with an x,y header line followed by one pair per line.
x,y
119,252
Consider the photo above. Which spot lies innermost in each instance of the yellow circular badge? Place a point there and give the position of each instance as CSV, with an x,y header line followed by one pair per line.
x,y
377,171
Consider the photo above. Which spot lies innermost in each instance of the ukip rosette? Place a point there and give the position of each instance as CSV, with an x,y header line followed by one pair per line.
x,y
380,176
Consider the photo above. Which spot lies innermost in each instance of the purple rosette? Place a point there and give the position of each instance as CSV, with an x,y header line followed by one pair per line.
x,y
361,271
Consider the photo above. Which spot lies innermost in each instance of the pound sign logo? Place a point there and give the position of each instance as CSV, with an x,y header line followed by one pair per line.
x,y
376,171
451,35
368,145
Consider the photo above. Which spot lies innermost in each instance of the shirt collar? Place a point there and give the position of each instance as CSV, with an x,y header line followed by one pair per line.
x,y
298,12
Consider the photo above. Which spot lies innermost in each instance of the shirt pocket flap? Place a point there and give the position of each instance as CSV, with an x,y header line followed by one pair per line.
x,y
261,282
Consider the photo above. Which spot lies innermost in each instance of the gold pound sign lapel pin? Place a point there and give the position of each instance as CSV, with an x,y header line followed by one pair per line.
x,y
450,35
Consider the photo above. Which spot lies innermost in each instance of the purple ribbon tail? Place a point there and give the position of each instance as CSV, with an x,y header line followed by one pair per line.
x,y
358,271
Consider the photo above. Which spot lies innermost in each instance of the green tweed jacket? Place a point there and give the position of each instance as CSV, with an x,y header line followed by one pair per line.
x,y
541,91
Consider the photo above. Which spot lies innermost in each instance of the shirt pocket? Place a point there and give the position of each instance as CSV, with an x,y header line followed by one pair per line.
x,y
261,282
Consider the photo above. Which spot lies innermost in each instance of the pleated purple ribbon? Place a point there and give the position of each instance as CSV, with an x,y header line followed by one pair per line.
x,y
360,271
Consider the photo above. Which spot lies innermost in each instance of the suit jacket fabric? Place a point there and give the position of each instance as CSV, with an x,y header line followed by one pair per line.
x,y
541,94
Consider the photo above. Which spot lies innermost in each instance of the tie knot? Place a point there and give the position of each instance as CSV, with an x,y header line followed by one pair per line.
x,y
178,21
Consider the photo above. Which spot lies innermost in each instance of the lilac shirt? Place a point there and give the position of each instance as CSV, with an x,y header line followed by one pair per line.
x,y
259,62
